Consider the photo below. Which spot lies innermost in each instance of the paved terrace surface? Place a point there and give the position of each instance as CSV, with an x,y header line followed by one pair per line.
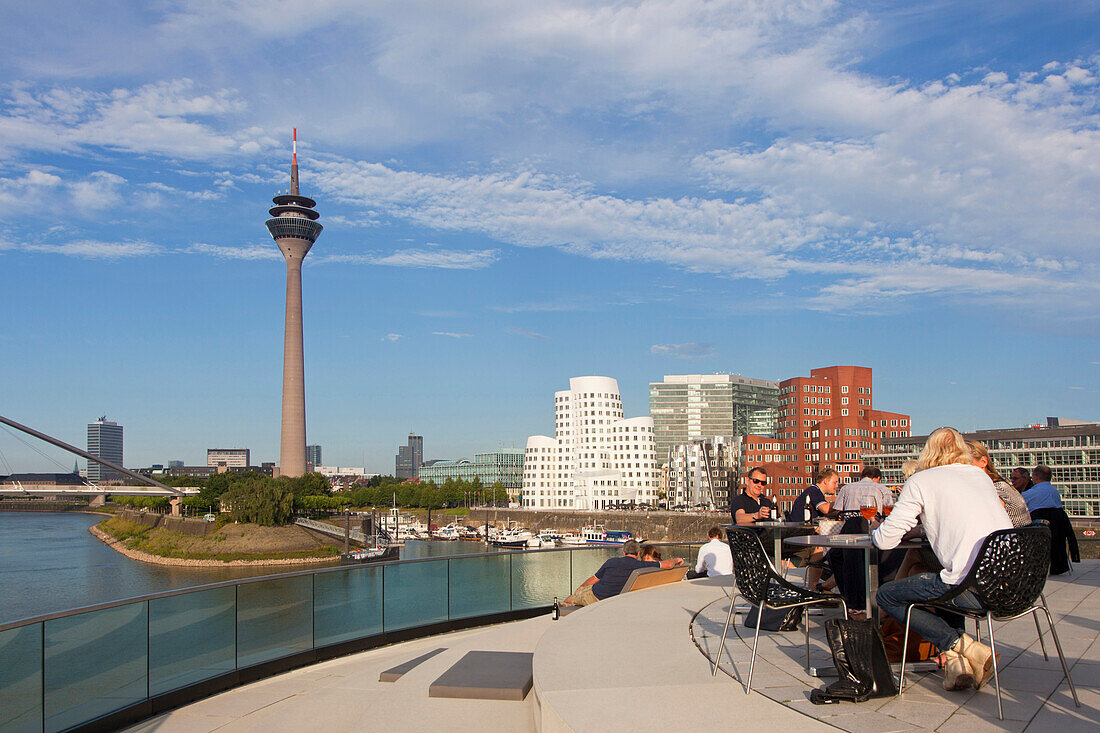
x,y
639,662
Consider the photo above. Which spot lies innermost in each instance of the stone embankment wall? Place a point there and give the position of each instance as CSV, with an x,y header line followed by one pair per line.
x,y
12,505
193,527
653,526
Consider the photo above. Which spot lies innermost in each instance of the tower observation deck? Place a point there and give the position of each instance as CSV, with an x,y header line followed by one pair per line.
x,y
294,227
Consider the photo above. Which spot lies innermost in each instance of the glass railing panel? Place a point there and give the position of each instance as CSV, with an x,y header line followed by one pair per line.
x,y
348,605
274,619
588,560
21,679
415,594
94,663
539,577
192,637
479,585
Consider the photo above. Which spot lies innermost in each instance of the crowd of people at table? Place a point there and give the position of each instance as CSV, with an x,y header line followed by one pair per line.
x,y
953,497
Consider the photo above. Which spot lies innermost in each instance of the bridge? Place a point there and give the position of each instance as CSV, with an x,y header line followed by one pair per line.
x,y
332,530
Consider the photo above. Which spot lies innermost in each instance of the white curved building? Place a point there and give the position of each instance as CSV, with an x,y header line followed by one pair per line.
x,y
597,458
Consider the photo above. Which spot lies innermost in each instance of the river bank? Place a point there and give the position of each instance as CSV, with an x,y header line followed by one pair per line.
x,y
230,545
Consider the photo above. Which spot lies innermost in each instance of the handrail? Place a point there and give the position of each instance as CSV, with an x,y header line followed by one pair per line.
x,y
297,573
156,655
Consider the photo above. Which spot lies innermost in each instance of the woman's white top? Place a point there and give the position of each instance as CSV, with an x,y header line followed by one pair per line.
x,y
959,508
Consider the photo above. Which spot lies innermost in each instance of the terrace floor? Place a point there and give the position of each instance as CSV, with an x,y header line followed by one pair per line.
x,y
641,662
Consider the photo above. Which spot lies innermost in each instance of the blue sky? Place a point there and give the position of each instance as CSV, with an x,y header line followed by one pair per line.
x,y
516,193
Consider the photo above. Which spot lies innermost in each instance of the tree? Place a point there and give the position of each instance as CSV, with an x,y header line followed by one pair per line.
x,y
309,484
261,501
497,493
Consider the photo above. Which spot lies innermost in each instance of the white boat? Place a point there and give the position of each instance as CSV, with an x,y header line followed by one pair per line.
x,y
572,538
368,553
596,535
544,539
513,537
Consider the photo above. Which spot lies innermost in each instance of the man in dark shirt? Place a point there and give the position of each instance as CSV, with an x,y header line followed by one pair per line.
x,y
751,504
613,574
819,497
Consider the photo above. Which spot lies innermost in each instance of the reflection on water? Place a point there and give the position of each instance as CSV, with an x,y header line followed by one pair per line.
x,y
56,565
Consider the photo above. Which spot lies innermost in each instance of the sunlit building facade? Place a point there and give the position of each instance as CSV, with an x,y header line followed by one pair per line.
x,y
597,459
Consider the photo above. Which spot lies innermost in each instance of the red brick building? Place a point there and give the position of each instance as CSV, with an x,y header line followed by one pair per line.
x,y
826,420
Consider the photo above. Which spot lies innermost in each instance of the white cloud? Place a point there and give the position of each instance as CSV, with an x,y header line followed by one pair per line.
x,y
441,259
452,334
689,350
393,337
248,252
161,118
96,250
527,333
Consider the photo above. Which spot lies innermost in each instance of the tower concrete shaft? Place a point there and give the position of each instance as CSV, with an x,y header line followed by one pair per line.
x,y
295,228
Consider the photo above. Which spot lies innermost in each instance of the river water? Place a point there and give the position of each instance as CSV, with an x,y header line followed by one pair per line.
x,y
49,562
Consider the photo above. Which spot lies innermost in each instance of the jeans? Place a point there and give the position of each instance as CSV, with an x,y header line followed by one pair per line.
x,y
896,596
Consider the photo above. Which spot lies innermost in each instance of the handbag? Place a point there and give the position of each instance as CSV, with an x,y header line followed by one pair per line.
x,y
775,619
893,637
861,664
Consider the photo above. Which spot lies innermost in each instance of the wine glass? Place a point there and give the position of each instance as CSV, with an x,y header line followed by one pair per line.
x,y
868,508
887,509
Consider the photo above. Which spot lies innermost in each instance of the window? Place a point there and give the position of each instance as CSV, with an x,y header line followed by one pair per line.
x,y
844,389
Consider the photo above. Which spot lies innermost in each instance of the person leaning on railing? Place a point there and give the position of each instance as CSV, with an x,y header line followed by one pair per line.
x,y
958,507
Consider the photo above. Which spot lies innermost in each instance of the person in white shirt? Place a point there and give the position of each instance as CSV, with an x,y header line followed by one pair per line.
x,y
958,506
714,558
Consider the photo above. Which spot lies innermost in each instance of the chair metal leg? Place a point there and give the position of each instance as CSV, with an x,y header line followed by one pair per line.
x,y
904,650
806,620
1061,656
722,643
977,630
996,674
755,641
1038,628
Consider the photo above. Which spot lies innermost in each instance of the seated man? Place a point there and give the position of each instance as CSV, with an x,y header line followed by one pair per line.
x,y
868,489
814,503
612,576
1042,495
714,558
751,504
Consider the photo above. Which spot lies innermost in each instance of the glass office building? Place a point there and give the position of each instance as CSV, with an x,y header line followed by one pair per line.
x,y
104,441
505,466
687,407
1071,451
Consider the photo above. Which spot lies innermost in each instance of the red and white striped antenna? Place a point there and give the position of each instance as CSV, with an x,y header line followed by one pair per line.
x,y
294,166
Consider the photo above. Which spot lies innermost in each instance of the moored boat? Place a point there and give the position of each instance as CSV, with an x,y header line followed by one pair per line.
x,y
596,535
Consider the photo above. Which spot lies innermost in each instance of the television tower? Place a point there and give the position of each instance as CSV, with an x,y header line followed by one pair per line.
x,y
295,228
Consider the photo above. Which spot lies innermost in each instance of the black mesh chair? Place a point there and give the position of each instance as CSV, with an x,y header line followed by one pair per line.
x,y
1007,576
759,583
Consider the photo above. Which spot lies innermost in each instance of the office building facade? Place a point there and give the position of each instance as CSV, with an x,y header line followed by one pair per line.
x,y
828,420
703,473
228,457
688,407
505,466
410,457
313,457
597,459
1072,451
104,441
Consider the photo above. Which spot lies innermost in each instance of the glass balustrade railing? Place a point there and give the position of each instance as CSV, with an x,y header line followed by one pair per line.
x,y
66,670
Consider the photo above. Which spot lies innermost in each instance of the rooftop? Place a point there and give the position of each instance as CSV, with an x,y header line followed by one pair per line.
x,y
641,662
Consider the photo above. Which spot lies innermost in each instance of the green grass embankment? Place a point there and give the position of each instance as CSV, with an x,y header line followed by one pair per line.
x,y
227,543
